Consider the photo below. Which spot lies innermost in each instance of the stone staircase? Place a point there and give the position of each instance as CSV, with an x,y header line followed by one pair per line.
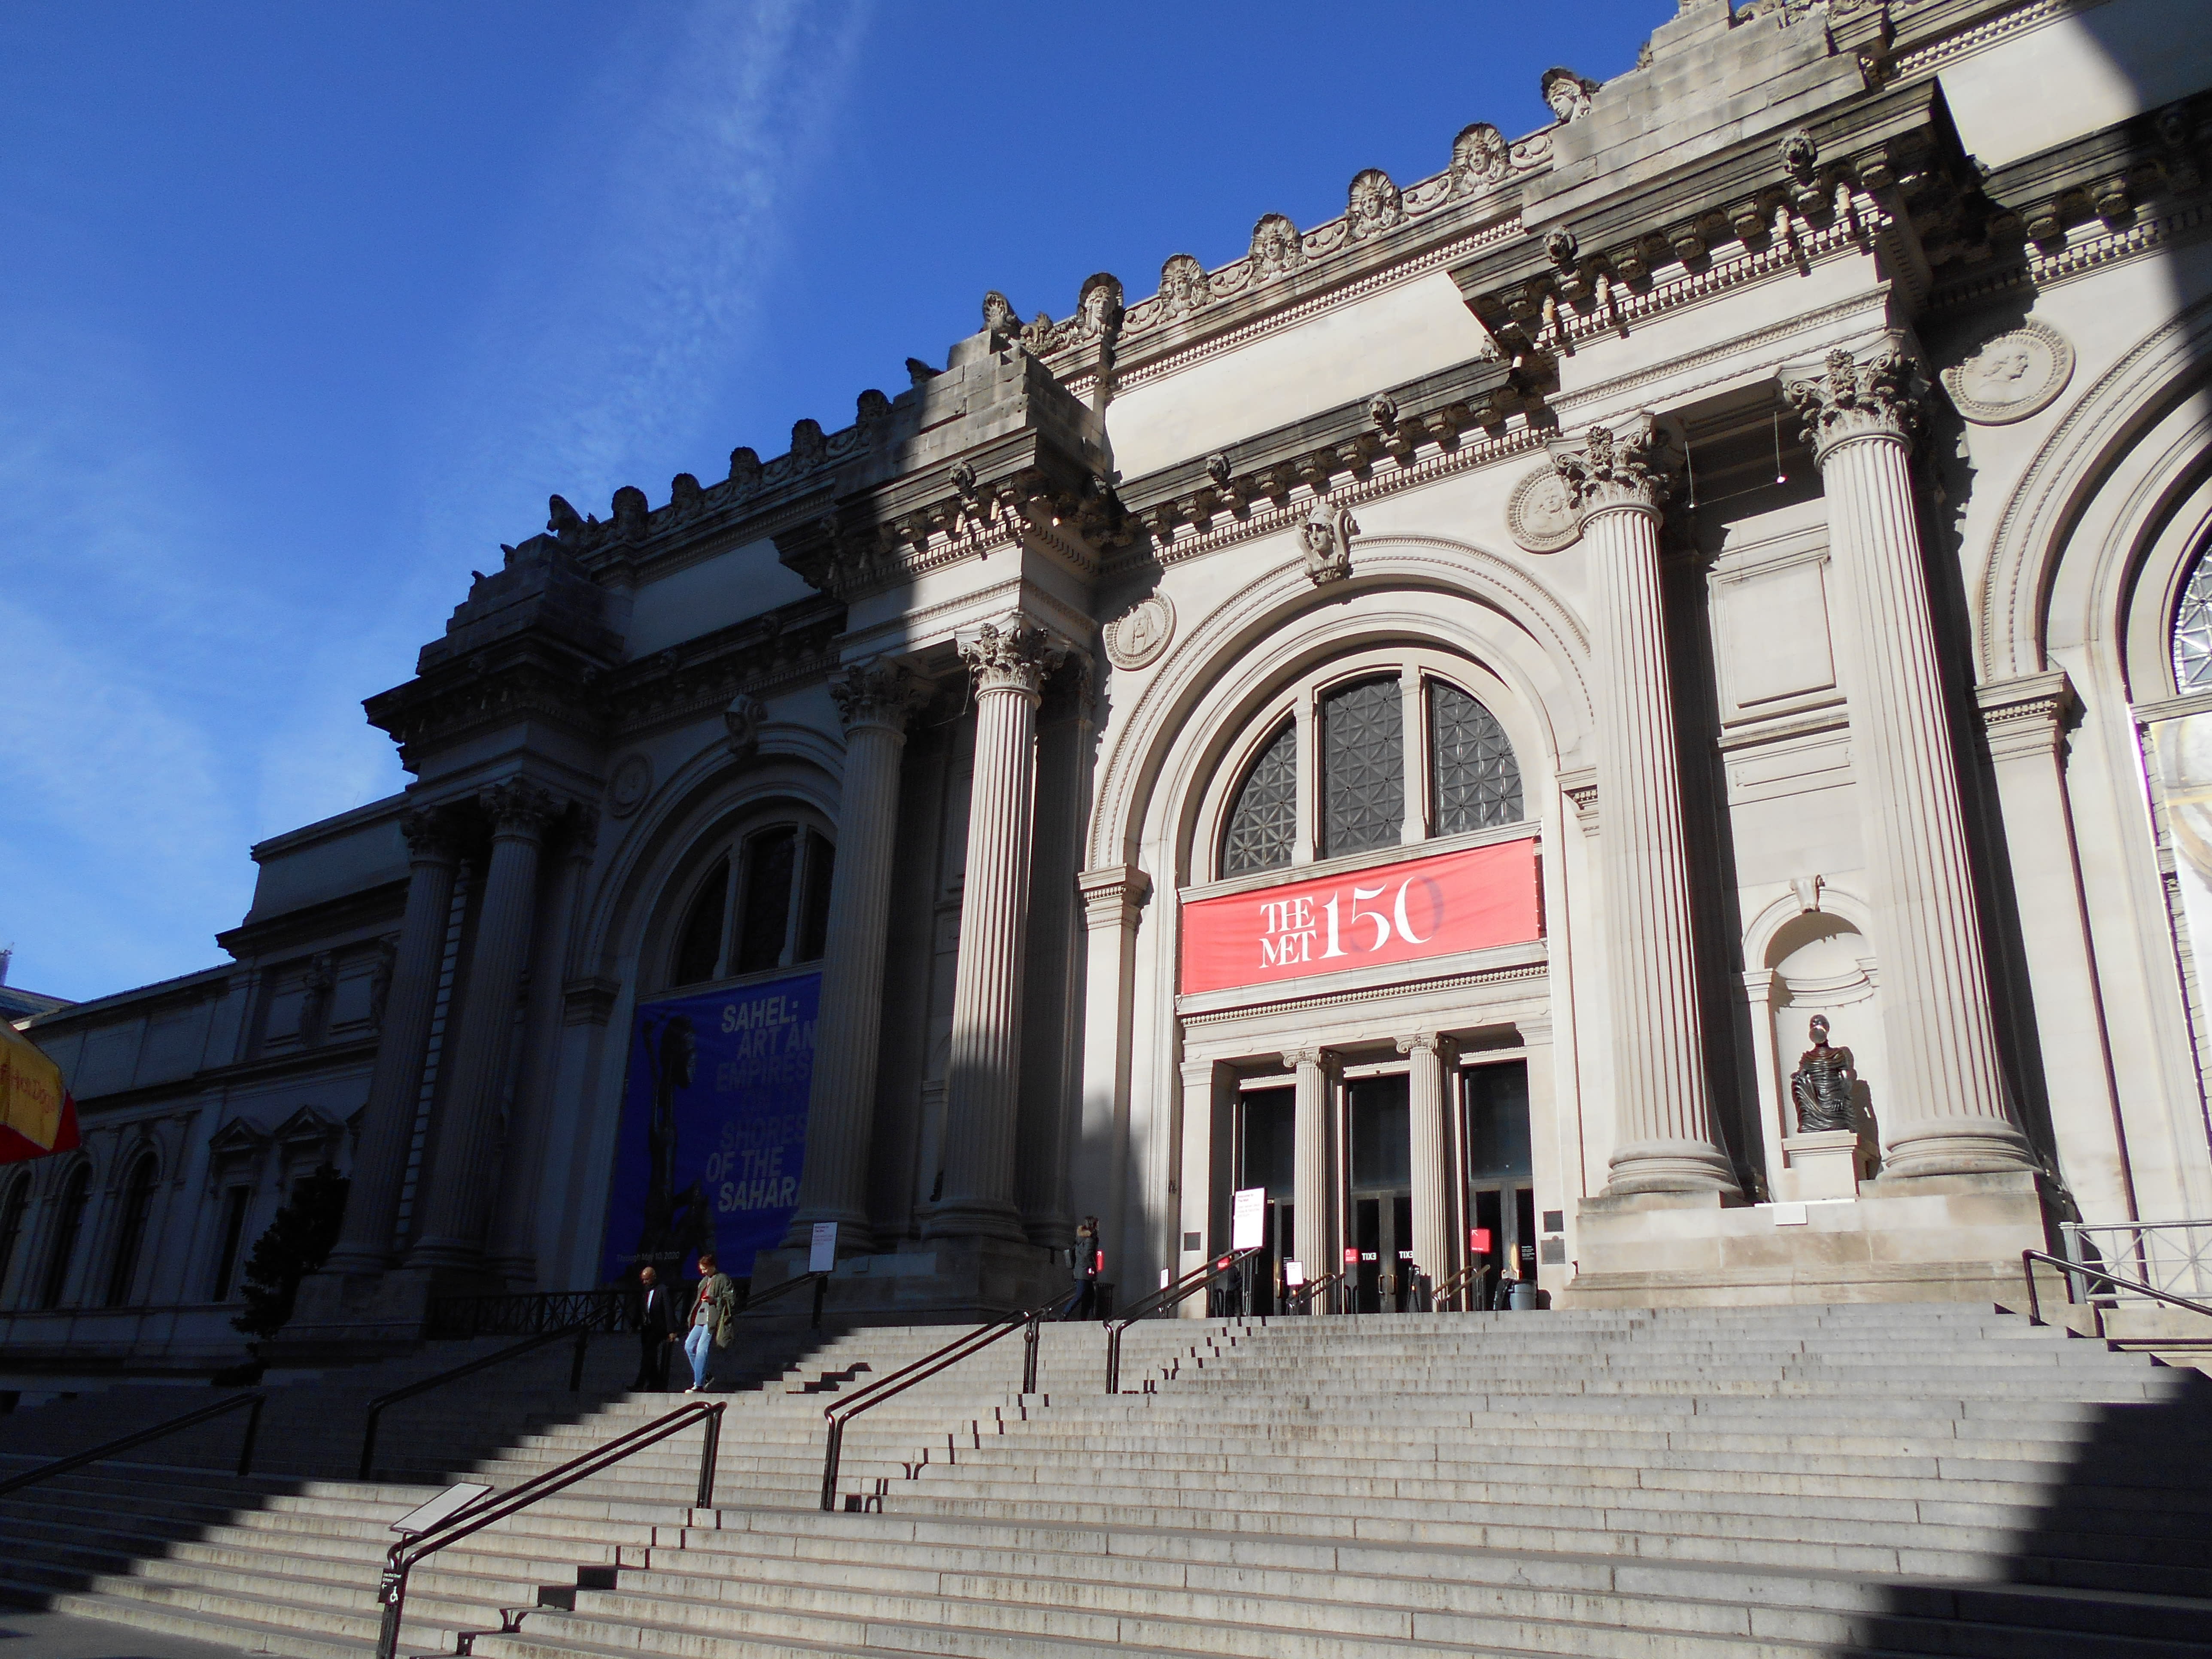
x,y
1753,1483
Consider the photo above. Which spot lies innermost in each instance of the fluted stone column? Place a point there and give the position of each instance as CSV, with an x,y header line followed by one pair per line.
x,y
1316,1160
461,1179
1948,1112
395,1087
1008,660
1436,1181
873,699
1665,1140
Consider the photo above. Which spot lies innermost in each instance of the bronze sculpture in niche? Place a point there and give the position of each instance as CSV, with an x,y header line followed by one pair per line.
x,y
1822,1084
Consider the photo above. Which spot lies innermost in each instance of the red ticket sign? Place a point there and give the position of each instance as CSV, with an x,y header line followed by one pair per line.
x,y
1391,912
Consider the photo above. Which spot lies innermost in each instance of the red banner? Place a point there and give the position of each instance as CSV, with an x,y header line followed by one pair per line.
x,y
1391,913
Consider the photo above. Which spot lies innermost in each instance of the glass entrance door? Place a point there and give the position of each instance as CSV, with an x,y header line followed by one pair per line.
x,y
1266,1157
1380,1244
1501,1195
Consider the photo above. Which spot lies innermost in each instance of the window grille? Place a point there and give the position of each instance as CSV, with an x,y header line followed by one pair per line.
x,y
69,1222
2192,631
764,905
1263,825
1475,780
1362,766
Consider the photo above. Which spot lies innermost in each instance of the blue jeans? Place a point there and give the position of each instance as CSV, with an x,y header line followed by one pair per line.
x,y
699,1349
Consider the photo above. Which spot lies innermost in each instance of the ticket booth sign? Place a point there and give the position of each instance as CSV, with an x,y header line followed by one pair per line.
x,y
1470,900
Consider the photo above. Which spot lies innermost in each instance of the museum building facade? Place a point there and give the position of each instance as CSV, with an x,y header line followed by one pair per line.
x,y
1425,720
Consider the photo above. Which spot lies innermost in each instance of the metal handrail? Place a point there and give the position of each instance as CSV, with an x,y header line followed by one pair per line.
x,y
582,1333
821,1289
1457,1285
78,1460
527,1313
842,1412
2029,1258
1166,1297
403,1556
1305,1293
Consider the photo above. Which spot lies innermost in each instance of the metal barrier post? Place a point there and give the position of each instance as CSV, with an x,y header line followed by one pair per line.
x,y
253,1433
576,1365
392,1590
821,1295
832,1454
1029,1355
708,1454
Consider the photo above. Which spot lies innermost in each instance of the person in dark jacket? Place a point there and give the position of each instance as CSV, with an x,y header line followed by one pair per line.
x,y
656,1332
1090,1263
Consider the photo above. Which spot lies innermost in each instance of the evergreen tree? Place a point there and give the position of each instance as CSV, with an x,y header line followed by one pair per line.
x,y
298,1242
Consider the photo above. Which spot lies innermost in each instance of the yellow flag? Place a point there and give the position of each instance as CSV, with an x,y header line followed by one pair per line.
x,y
31,1092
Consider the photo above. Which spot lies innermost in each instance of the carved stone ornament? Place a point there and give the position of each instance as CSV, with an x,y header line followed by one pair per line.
x,y
1327,536
628,784
1540,512
1820,1087
1011,655
519,807
1277,248
1138,637
2011,376
741,723
999,317
1184,287
1566,93
875,692
1480,157
1853,399
1373,204
432,833
1612,467
1099,307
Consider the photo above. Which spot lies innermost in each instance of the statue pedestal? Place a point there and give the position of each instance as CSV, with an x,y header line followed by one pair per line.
x,y
1823,1164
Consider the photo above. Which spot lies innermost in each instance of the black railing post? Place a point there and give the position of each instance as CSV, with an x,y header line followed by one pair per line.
x,y
392,1591
831,1455
821,1294
708,1454
1113,1359
253,1432
576,1365
1030,1355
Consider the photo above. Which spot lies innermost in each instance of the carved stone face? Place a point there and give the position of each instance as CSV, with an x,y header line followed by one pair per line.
x,y
1564,92
1998,373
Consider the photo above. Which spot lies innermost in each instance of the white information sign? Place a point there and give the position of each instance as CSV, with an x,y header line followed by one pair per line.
x,y
821,1257
1248,1219
1294,1274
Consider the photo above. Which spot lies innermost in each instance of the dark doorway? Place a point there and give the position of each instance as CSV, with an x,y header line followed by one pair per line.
x,y
1501,1192
1379,1249
1267,1155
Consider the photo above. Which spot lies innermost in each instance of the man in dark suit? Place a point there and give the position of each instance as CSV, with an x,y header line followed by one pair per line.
x,y
656,1332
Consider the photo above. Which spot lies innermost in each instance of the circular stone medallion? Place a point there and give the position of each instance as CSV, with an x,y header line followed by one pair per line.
x,y
1540,514
2011,375
629,785
1137,637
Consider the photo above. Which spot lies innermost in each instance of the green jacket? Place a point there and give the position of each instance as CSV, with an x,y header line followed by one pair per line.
x,y
721,1298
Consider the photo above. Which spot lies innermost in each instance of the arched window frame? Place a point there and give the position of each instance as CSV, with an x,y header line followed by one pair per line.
x,y
133,1217
14,1223
736,840
2193,598
1301,700
64,1233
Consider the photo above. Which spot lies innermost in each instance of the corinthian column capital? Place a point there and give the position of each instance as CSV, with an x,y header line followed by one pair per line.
x,y
432,833
519,807
878,691
1850,398
1011,655
1615,468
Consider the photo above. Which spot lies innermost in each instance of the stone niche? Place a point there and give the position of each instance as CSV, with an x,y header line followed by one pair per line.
x,y
1812,959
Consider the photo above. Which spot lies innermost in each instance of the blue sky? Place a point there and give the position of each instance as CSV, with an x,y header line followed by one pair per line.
x,y
306,308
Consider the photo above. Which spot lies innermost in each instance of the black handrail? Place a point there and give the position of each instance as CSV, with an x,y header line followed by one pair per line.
x,y
1459,1284
842,1412
1166,1297
2029,1258
78,1460
403,1557
527,1313
582,1333
821,1289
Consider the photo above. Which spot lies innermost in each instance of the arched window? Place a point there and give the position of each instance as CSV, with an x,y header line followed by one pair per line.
x,y
1263,824
763,903
1398,751
13,1206
2192,631
69,1222
131,1230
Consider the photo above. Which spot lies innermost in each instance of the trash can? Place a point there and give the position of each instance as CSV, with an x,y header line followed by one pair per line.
x,y
1524,1294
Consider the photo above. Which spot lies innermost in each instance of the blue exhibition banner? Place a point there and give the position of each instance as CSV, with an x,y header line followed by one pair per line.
x,y
713,1127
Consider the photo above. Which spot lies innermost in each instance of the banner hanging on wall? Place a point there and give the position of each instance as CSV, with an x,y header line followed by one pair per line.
x,y
713,1127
